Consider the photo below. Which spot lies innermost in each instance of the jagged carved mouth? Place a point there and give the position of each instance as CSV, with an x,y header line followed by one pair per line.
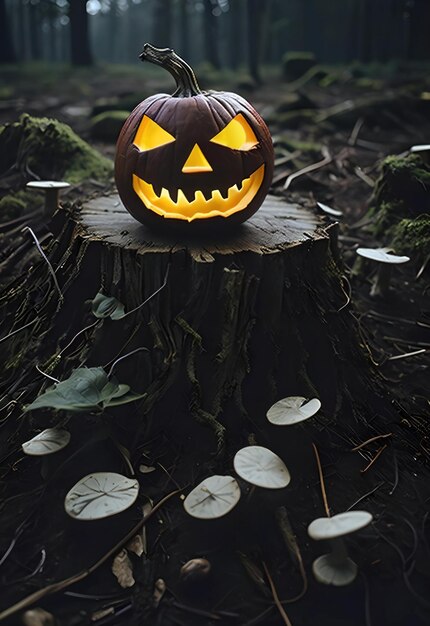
x,y
181,208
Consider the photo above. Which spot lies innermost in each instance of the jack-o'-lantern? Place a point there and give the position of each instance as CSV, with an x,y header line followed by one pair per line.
x,y
192,159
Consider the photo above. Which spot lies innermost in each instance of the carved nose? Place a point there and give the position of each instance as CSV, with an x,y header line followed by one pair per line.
x,y
196,162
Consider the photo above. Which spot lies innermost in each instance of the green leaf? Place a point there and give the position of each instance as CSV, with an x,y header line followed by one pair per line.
x,y
107,306
86,389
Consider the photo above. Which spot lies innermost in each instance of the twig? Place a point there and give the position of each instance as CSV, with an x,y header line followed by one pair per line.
x,y
355,131
396,475
151,296
18,330
369,493
320,472
51,269
66,582
406,355
125,356
306,170
362,445
47,375
276,597
77,335
377,455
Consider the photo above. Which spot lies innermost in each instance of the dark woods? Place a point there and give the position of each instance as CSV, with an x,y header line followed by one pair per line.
x,y
223,33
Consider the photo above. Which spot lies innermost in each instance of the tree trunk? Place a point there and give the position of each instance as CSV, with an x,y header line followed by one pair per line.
x,y
80,48
256,20
7,49
184,36
211,35
162,24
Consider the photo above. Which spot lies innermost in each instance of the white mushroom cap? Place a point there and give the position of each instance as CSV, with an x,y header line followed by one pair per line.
x,y
420,148
338,525
100,495
48,184
261,467
330,570
213,497
382,255
292,410
329,210
48,441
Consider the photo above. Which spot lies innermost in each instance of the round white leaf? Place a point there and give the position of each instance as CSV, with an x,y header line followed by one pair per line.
x,y
382,255
338,525
261,467
100,495
213,497
292,410
329,210
330,570
47,442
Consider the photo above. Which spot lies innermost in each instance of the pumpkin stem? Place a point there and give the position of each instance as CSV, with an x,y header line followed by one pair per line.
x,y
185,79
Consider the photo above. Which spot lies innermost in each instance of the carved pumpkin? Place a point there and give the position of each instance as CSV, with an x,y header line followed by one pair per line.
x,y
193,159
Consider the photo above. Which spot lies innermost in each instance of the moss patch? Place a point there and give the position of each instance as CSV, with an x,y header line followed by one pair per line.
x,y
412,236
48,149
16,204
402,192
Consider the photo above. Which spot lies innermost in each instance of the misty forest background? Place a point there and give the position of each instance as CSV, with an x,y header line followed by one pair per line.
x,y
222,33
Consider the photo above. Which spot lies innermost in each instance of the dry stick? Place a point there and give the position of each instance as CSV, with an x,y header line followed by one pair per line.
x,y
362,445
406,355
43,255
18,330
320,472
66,582
306,170
377,455
47,375
166,276
276,597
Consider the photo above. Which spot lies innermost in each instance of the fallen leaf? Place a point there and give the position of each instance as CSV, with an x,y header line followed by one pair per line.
x,y
122,569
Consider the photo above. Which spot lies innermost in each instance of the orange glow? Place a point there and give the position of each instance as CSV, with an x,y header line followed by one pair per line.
x,y
196,162
237,135
199,208
150,135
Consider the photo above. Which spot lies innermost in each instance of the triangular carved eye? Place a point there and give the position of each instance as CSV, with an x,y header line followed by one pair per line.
x,y
237,135
150,135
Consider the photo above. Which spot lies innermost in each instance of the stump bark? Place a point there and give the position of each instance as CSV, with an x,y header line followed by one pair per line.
x,y
242,321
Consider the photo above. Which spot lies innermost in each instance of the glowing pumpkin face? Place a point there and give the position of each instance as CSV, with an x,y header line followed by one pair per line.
x,y
192,159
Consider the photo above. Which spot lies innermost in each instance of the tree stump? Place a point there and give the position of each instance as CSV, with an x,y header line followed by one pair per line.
x,y
242,321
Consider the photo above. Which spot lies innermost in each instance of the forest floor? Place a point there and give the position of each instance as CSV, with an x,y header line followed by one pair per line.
x,y
343,126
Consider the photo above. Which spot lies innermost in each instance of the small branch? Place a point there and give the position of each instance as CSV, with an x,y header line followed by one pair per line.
x,y
365,495
365,443
66,582
151,296
307,170
377,455
321,475
18,330
47,375
125,356
45,258
77,335
276,597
